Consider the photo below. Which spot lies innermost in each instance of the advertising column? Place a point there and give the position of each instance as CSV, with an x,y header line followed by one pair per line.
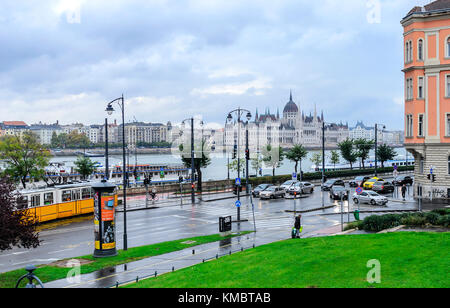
x,y
104,219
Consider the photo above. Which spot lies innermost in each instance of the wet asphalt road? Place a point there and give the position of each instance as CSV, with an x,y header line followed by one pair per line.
x,y
172,221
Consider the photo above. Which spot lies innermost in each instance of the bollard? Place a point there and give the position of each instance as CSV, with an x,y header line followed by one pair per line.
x,y
217,256
30,276
117,284
156,273
193,251
203,261
173,268
242,249
137,279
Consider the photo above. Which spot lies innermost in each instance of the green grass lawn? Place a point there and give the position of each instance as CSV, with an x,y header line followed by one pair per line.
x,y
50,273
407,259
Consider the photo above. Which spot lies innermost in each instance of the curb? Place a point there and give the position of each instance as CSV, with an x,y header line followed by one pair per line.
x,y
311,210
224,198
392,229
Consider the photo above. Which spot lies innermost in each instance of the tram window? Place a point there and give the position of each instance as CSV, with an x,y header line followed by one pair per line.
x,y
35,200
22,202
66,195
86,193
76,194
48,198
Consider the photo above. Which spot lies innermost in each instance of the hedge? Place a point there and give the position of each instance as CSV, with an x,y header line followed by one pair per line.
x,y
377,223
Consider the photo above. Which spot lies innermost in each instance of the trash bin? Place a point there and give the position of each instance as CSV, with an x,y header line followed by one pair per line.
x,y
356,214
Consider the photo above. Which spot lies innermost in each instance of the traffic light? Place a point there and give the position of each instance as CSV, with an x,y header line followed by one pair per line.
x,y
431,177
247,154
235,151
161,174
180,179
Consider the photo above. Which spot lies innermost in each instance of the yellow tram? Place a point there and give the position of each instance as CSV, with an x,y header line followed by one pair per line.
x,y
58,202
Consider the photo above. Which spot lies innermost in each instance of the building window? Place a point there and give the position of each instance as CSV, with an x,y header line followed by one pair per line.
x,y
421,165
448,164
447,88
420,89
448,124
420,128
448,47
409,89
407,58
409,125
420,50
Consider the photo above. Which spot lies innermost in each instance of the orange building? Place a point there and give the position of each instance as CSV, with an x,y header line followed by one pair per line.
x,y
427,96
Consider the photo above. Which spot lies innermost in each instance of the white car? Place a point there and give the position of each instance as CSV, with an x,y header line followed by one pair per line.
x,y
288,184
301,188
273,192
370,197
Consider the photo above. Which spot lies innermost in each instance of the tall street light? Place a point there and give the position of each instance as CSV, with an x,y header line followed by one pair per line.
x,y
109,109
376,146
192,158
239,113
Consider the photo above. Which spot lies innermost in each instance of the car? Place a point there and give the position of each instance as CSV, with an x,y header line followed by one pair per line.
x,y
330,183
359,181
369,183
383,187
288,184
259,188
337,191
272,192
403,180
301,188
370,197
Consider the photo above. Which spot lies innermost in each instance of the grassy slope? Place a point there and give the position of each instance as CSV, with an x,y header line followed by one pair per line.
x,y
50,273
407,260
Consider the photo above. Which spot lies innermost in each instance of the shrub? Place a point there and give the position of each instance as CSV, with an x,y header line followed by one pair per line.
x,y
354,225
444,220
377,223
414,220
441,212
432,218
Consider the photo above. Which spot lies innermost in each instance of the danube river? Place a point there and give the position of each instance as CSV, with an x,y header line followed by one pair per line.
x,y
217,170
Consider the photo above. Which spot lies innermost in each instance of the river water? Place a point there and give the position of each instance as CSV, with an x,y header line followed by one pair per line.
x,y
217,170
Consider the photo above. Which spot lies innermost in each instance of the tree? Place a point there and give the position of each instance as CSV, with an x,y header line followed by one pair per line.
x,y
347,152
385,153
273,157
297,154
199,162
335,158
24,157
234,165
316,159
85,166
363,148
16,227
257,164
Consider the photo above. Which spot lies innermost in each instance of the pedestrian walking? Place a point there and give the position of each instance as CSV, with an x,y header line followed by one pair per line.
x,y
404,192
298,225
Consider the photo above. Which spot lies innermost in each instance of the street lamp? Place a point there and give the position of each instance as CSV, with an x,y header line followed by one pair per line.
x,y
109,109
240,113
376,146
192,156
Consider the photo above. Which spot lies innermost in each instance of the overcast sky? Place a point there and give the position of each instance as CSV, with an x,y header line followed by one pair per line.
x,y
64,60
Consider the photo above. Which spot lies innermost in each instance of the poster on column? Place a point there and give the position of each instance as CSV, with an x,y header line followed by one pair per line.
x,y
97,220
107,221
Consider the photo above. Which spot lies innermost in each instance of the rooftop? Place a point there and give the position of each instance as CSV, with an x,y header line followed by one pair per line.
x,y
435,7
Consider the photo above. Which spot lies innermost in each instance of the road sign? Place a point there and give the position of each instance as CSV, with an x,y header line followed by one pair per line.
x,y
294,176
359,190
238,203
238,182
431,170
395,167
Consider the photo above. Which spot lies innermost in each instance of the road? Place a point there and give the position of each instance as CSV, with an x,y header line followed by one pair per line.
x,y
171,221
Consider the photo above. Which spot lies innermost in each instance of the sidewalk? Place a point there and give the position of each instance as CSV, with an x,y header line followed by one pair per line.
x,y
154,266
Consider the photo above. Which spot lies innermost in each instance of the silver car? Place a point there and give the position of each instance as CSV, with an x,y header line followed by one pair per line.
x,y
301,188
272,192
288,184
370,197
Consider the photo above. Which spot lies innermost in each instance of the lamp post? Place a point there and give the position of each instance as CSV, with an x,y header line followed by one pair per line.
x,y
109,109
192,158
376,147
239,113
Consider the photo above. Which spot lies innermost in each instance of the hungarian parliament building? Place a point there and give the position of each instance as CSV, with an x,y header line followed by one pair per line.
x,y
294,127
